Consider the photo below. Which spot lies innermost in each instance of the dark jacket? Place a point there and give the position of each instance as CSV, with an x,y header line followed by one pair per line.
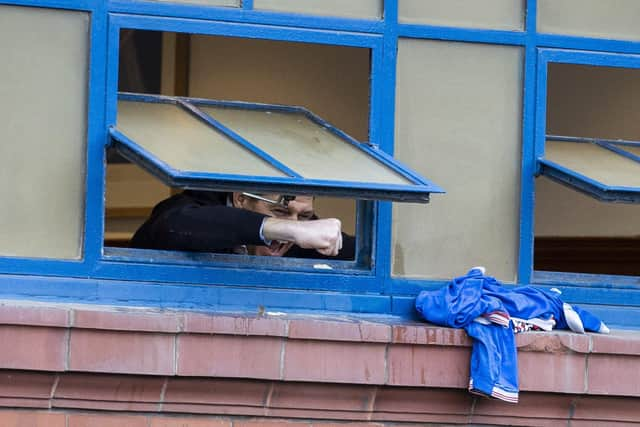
x,y
201,221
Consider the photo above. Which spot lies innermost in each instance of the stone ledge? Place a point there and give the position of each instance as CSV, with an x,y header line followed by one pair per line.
x,y
381,351
153,397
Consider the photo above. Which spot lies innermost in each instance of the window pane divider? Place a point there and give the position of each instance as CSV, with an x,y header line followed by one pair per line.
x,y
238,139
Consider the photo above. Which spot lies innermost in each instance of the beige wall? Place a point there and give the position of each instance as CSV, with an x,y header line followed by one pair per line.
x,y
594,102
458,122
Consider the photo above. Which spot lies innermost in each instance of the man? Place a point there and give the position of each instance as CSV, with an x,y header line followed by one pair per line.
x,y
267,225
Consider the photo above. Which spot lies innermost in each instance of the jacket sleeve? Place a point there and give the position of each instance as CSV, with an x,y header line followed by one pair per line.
x,y
200,228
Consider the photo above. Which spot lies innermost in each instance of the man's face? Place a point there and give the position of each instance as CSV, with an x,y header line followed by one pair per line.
x,y
299,209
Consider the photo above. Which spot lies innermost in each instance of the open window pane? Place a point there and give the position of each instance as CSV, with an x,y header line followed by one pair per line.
x,y
288,152
592,119
305,146
595,162
43,116
179,139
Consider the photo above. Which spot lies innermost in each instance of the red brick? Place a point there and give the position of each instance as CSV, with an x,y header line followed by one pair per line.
x,y
421,333
433,366
332,330
438,419
356,424
621,409
31,419
592,423
553,342
340,362
530,405
614,375
497,420
121,352
126,320
234,325
229,356
188,422
24,402
270,423
232,410
216,391
333,397
121,392
619,342
423,401
317,414
37,348
552,372
106,420
26,384
33,315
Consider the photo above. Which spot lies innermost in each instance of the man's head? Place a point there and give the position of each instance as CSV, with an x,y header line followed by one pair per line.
x,y
299,208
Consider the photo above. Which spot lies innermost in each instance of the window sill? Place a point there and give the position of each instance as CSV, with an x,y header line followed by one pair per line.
x,y
181,358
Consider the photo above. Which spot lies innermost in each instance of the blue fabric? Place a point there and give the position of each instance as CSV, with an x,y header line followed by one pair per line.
x,y
494,361
494,355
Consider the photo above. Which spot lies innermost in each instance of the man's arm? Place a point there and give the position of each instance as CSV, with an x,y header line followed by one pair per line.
x,y
323,235
190,226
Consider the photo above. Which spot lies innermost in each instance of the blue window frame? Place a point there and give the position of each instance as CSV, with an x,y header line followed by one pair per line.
x,y
107,276
581,162
398,184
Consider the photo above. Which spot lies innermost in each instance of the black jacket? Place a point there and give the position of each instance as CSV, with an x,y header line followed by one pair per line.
x,y
201,221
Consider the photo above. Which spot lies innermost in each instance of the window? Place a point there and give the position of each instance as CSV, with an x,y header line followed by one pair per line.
x,y
251,133
589,223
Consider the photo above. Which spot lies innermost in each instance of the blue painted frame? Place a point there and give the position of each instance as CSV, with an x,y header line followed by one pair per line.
x,y
99,277
562,174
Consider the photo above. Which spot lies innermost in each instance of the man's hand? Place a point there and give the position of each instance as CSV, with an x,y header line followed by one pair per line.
x,y
323,235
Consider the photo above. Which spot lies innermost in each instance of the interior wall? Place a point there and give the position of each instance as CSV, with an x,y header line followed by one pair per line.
x,y
601,102
331,81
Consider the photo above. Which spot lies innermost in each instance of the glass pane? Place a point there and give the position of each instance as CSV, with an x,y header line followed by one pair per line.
x,y
43,87
595,162
185,142
309,149
591,18
458,121
492,14
366,9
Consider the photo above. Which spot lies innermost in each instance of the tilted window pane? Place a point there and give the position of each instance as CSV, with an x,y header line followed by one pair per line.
x,y
43,115
306,147
458,120
613,19
490,14
595,162
365,9
186,143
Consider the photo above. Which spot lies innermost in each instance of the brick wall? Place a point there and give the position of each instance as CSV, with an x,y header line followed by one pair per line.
x,y
190,368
